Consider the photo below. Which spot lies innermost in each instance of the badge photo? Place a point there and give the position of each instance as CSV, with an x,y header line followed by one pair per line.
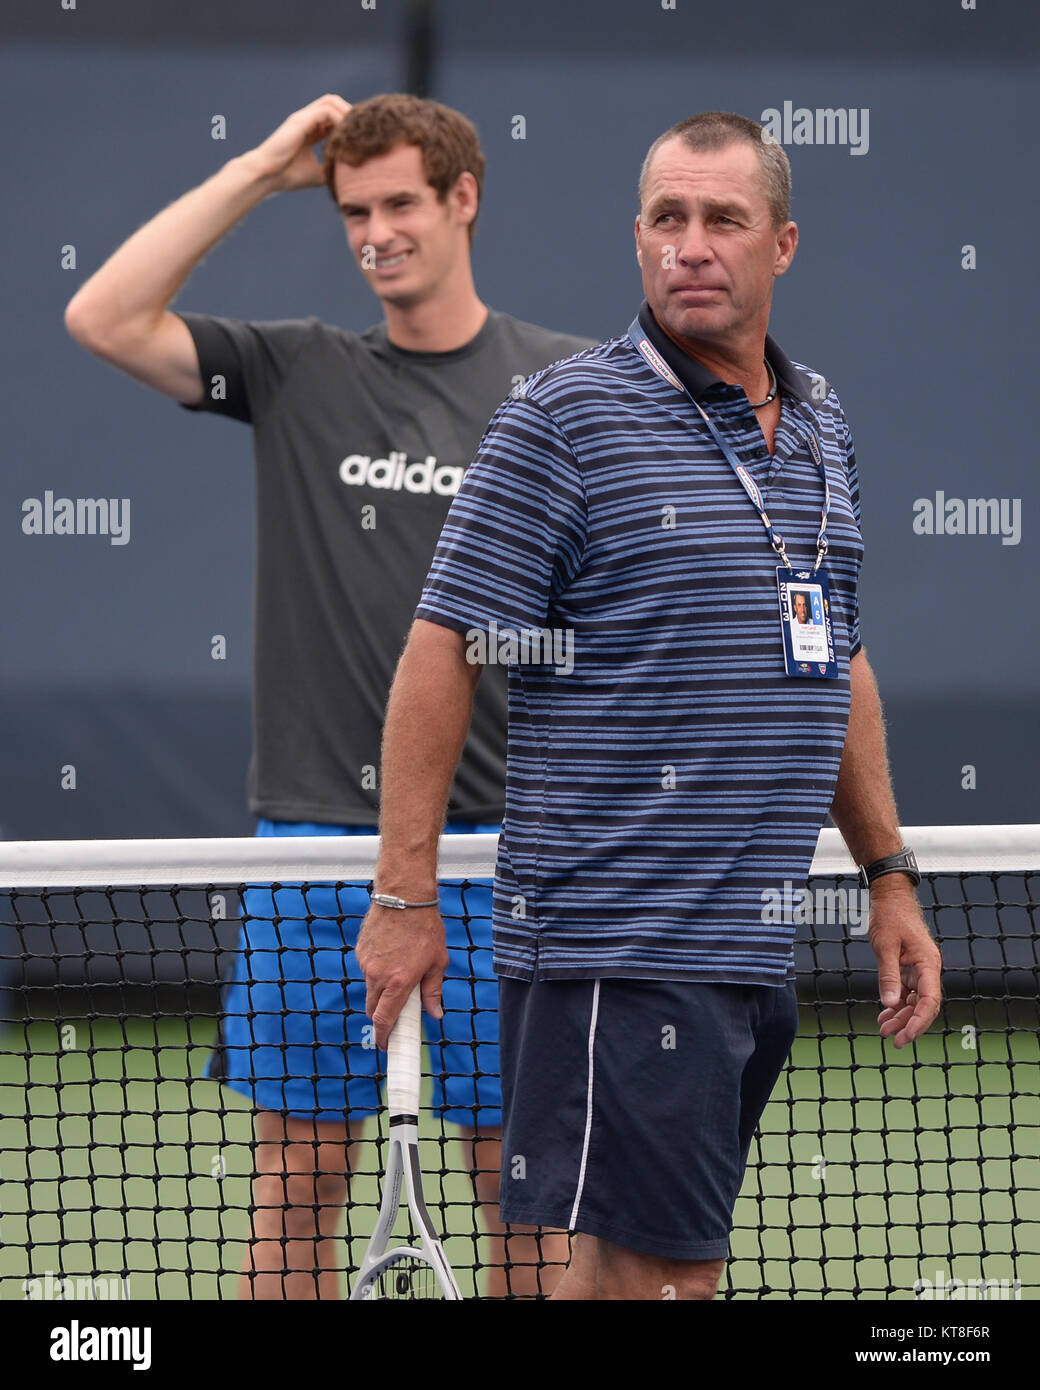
x,y
805,623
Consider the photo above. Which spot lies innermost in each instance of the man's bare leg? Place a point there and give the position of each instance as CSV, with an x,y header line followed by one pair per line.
x,y
525,1260
299,1188
602,1270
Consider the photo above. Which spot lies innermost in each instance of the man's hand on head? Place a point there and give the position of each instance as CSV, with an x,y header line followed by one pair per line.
x,y
397,949
287,157
909,962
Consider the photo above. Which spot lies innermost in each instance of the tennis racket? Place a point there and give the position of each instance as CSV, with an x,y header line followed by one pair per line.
x,y
405,1271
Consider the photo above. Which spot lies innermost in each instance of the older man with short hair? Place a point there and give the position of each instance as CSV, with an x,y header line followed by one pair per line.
x,y
659,498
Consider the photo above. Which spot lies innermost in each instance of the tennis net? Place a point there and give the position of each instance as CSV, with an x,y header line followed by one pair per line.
x,y
127,1172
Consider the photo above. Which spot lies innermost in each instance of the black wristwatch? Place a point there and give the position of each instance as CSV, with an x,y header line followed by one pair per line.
x,y
901,863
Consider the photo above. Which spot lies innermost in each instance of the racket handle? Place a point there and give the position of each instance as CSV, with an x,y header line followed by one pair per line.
x,y
402,1062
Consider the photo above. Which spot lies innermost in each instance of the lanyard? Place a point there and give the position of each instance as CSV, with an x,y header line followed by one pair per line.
x,y
653,359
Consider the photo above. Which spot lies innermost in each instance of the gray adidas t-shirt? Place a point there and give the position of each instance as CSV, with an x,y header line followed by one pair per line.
x,y
360,447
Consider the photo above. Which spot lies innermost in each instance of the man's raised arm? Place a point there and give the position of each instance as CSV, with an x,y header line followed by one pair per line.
x,y
864,810
427,719
121,313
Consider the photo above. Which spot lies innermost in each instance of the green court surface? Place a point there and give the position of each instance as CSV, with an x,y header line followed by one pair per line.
x,y
874,1169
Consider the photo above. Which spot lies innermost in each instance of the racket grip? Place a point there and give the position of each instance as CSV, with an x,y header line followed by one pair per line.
x,y
402,1062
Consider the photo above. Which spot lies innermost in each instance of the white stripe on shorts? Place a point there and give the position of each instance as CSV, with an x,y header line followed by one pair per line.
x,y
588,1109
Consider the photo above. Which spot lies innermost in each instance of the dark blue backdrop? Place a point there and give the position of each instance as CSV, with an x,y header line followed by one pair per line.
x,y
107,115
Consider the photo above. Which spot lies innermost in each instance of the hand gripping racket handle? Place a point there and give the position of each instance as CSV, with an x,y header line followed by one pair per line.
x,y
402,1061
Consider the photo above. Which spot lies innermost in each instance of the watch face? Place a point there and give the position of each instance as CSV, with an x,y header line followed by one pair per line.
x,y
903,862
911,864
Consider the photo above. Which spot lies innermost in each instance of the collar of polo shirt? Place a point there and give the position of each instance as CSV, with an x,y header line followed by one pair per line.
x,y
698,380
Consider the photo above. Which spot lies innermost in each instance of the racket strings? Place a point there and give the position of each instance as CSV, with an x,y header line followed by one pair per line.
x,y
405,1277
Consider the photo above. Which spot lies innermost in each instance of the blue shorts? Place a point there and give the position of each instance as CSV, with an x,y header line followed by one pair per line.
x,y
633,1103
294,1036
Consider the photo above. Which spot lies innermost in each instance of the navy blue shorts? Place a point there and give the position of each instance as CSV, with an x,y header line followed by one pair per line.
x,y
294,1036
630,1105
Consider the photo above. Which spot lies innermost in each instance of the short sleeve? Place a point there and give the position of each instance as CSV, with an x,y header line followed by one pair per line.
x,y
515,535
852,476
243,364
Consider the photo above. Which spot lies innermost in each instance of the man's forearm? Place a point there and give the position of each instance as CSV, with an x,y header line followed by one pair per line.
x,y
145,274
427,720
864,808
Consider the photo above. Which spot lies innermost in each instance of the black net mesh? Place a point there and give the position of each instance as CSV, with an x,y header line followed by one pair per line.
x,y
126,1170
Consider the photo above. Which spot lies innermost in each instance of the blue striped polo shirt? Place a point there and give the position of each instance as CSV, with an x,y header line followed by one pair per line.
x,y
665,775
